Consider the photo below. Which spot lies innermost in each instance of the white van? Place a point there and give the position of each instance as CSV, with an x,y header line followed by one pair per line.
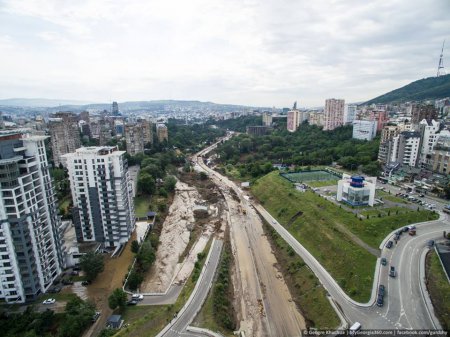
x,y
355,328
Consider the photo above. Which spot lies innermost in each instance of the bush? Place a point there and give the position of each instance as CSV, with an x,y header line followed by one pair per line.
x,y
118,298
92,264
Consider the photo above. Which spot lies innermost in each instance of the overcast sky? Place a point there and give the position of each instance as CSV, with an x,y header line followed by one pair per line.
x,y
252,52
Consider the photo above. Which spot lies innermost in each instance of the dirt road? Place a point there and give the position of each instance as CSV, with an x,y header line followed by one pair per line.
x,y
266,307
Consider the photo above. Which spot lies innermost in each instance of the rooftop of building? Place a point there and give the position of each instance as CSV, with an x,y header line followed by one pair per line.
x,y
96,150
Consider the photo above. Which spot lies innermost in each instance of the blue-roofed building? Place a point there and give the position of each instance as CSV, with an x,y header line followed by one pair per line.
x,y
356,190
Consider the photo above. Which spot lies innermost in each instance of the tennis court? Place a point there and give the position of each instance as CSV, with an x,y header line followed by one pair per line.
x,y
307,176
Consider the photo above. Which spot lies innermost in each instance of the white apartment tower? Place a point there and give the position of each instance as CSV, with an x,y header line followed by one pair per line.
x,y
349,113
102,194
333,113
31,253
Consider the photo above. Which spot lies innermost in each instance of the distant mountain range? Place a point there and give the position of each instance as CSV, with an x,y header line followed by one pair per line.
x,y
50,106
424,89
40,102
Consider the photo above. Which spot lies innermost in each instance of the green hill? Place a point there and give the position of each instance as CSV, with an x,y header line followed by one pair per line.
x,y
427,88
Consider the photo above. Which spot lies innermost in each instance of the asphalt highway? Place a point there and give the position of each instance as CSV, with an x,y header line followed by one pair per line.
x,y
177,327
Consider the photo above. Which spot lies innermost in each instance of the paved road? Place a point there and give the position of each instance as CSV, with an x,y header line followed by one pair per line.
x,y
406,301
169,298
186,315
405,306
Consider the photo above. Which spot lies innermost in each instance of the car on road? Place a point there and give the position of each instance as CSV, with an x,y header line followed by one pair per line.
x,y
389,244
383,261
96,316
397,237
355,328
430,243
381,290
137,297
380,301
421,195
405,229
392,272
49,301
132,302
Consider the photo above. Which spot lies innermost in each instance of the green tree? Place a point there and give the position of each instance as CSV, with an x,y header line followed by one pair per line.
x,y
92,264
134,246
169,183
134,280
146,256
118,298
146,183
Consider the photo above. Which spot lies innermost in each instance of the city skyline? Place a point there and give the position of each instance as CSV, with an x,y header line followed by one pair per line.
x,y
227,52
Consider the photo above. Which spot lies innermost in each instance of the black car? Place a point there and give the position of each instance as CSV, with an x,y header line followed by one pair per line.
x,y
383,261
85,283
132,302
389,244
380,301
392,272
381,290
397,237
405,229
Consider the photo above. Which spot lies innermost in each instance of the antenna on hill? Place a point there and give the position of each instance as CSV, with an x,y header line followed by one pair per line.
x,y
441,70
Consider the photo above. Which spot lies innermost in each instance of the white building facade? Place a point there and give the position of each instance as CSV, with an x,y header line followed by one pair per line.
x,y
364,130
102,193
31,252
349,113
356,190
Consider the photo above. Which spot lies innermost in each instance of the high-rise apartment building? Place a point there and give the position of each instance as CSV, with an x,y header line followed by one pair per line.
x,y
162,133
350,113
292,120
440,156
102,194
134,138
64,134
115,109
333,113
147,131
267,118
316,118
31,252
405,149
429,134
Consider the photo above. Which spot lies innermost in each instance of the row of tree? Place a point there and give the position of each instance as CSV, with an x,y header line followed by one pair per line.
x,y
254,155
75,319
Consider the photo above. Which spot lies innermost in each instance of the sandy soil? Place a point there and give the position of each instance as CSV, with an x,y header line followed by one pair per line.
x,y
261,294
173,241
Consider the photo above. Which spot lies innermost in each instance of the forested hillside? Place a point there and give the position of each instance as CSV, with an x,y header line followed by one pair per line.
x,y
427,88
254,156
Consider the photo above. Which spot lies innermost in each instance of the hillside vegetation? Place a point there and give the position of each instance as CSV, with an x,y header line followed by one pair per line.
x,y
424,89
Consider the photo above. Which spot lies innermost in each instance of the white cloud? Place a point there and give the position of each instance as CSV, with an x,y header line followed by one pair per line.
x,y
248,52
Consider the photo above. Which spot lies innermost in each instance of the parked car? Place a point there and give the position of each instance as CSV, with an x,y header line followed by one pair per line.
x,y
389,244
85,283
54,290
392,272
381,290
421,195
430,243
380,301
132,302
137,297
397,237
96,316
405,229
49,301
383,261
67,282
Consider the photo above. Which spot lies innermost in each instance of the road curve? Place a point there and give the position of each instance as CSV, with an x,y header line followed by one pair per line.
x,y
178,326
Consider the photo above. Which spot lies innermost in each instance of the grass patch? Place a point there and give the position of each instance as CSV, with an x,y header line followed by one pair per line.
x,y
351,265
305,288
439,289
150,320
142,205
322,183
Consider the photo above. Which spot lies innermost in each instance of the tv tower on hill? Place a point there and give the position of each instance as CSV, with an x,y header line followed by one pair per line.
x,y
441,70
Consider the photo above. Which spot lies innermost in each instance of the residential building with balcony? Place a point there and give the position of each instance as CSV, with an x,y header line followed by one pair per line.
x,y
31,235
102,194
333,114
64,135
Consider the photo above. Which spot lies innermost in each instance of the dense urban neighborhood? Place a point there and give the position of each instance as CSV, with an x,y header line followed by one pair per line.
x,y
224,168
